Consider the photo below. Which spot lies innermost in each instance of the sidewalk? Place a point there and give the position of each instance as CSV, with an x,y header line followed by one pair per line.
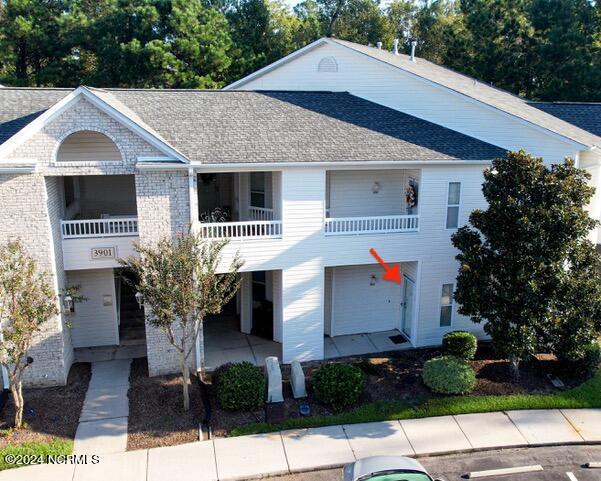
x,y
103,421
284,452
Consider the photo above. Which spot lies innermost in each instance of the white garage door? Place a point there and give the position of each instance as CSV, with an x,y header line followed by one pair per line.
x,y
359,307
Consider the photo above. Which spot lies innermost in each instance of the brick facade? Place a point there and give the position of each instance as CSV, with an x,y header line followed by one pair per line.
x,y
33,207
163,210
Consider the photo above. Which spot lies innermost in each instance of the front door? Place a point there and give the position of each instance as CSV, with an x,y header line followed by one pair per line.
x,y
407,306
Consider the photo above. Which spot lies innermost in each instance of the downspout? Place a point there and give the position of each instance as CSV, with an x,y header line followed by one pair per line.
x,y
205,424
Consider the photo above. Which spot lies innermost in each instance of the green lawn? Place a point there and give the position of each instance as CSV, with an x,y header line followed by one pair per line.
x,y
587,395
54,448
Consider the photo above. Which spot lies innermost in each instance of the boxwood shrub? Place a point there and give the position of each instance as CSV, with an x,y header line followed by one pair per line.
x,y
585,362
449,375
338,385
461,344
240,386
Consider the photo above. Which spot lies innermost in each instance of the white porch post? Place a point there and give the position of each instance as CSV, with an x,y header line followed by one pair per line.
x,y
303,201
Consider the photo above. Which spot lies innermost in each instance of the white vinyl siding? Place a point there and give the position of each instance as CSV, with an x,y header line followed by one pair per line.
x,y
453,203
93,322
88,146
446,305
358,306
387,85
351,192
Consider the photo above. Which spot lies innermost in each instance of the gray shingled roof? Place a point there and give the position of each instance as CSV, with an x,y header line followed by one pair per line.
x,y
18,107
587,116
242,126
460,83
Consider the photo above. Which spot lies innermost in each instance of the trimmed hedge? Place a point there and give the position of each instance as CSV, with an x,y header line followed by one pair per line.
x,y
240,386
449,375
338,385
587,395
461,344
587,363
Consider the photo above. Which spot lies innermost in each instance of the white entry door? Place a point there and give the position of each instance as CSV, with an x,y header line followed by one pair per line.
x,y
407,306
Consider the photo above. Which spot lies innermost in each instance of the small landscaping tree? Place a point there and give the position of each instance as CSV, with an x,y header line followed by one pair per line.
x,y
27,301
526,266
179,284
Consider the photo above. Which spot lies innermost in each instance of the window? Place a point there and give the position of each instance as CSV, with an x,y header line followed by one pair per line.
x,y
453,205
446,305
257,189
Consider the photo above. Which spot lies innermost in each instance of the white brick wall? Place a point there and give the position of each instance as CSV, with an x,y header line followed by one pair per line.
x,y
163,210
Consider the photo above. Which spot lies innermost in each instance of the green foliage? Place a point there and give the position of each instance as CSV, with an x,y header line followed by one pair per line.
x,y
240,386
448,375
461,344
56,447
543,49
189,263
338,385
586,360
27,302
526,266
587,395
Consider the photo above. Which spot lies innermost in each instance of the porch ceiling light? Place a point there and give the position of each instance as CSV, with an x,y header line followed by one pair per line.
x,y
140,299
375,188
372,280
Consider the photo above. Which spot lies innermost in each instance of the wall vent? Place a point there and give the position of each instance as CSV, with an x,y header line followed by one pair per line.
x,y
327,64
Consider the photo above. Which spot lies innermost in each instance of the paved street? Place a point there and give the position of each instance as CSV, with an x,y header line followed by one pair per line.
x,y
557,462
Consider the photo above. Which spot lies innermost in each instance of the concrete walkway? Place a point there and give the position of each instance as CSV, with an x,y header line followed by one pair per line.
x,y
317,448
103,421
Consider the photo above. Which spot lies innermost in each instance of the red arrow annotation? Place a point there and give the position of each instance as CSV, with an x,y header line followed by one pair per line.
x,y
393,273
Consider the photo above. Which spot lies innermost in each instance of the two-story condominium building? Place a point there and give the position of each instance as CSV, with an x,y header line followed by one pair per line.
x,y
309,163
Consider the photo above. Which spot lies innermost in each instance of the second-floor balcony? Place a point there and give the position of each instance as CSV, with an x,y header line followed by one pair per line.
x,y
239,206
372,202
99,222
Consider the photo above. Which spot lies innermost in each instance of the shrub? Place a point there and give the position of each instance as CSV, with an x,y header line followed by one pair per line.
x,y
449,375
338,385
240,386
461,344
586,361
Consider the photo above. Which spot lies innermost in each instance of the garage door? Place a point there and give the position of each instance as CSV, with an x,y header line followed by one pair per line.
x,y
358,306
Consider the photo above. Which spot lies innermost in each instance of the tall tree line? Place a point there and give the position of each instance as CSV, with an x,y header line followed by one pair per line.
x,y
541,49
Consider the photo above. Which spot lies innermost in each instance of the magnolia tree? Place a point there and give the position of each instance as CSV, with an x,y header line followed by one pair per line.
x,y
179,284
527,268
27,301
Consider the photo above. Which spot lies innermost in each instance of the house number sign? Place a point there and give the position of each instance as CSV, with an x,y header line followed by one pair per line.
x,y
103,252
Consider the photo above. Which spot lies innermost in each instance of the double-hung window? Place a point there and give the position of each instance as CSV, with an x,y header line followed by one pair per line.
x,y
446,305
453,198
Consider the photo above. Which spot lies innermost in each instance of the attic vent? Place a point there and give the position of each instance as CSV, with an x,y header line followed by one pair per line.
x,y
327,64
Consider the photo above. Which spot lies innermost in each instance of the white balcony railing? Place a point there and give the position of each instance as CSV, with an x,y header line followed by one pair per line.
x,y
113,227
260,213
371,225
257,229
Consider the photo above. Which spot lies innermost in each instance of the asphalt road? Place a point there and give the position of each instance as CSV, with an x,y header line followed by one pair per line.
x,y
557,463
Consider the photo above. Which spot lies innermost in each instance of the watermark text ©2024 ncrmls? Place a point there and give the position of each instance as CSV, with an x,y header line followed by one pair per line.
x,y
30,459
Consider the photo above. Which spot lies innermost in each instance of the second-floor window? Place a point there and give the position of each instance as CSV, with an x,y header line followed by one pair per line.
x,y
454,196
446,305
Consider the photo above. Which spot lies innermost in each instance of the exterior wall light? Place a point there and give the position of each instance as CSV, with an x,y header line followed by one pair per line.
x,y
140,299
68,303
375,188
372,280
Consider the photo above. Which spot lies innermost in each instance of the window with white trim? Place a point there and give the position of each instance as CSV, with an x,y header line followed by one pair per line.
x,y
453,198
257,189
446,305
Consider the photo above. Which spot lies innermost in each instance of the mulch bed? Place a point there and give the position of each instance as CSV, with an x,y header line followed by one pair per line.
x,y
51,412
397,376
156,415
